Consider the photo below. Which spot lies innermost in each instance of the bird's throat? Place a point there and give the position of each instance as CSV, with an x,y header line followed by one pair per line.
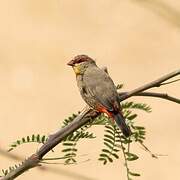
x,y
77,70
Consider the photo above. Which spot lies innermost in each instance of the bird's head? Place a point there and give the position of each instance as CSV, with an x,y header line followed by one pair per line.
x,y
80,63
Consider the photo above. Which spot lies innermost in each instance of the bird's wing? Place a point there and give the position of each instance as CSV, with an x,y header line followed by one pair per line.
x,y
101,87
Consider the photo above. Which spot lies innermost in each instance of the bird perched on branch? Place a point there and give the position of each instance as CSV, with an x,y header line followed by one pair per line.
x,y
98,90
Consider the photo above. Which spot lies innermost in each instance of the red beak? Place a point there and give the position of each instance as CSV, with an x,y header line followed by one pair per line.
x,y
70,63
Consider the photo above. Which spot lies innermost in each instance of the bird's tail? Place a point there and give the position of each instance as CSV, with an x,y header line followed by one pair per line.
x,y
120,121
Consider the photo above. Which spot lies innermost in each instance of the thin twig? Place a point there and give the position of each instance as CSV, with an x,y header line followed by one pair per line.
x,y
125,159
156,83
46,168
169,82
154,94
79,121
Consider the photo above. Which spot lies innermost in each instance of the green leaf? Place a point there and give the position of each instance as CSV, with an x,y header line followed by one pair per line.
x,y
140,106
38,138
70,154
115,155
43,139
67,150
134,174
109,146
68,144
23,140
10,149
110,132
18,142
106,151
131,156
108,141
119,86
133,116
109,137
104,160
116,150
28,138
139,127
70,161
74,149
110,128
106,156
33,137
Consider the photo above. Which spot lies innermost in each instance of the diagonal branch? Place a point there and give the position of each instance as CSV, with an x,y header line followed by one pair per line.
x,y
79,121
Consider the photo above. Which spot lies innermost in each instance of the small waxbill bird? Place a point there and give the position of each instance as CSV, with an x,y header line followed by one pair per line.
x,y
98,90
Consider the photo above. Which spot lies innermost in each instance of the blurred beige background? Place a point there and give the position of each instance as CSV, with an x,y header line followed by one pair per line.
x,y
138,40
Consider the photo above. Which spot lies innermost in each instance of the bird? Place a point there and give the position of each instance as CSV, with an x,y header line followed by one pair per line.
x,y
98,90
